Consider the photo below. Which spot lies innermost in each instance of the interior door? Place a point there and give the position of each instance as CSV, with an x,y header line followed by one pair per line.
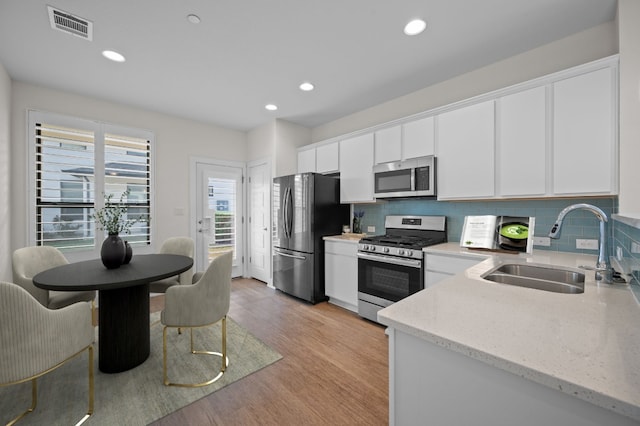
x,y
219,214
259,222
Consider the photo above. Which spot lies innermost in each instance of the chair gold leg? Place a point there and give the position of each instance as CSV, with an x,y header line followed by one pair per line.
x,y
34,402
224,359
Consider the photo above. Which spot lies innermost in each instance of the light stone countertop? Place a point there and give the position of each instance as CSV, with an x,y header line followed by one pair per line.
x,y
351,238
586,345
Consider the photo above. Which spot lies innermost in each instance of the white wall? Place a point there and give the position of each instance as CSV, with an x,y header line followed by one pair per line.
x,y
289,137
5,175
261,144
629,33
177,140
595,43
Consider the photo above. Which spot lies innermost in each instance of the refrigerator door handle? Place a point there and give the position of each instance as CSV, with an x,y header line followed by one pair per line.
x,y
290,255
285,209
289,212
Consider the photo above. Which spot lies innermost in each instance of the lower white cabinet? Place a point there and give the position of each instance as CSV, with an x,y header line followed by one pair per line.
x,y
341,273
441,266
431,384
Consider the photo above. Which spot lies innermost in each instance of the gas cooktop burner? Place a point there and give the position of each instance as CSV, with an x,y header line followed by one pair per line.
x,y
406,236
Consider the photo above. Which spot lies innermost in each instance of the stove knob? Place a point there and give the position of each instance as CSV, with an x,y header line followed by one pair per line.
x,y
409,252
366,247
401,252
386,249
373,248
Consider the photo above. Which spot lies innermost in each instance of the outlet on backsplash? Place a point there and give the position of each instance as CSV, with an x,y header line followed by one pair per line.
x,y
371,229
586,244
635,247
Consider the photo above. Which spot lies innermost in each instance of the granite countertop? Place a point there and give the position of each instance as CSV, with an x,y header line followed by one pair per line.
x,y
353,238
586,345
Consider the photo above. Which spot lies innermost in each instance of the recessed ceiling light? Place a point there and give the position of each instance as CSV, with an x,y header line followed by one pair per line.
x,y
114,56
306,86
415,27
194,19
271,107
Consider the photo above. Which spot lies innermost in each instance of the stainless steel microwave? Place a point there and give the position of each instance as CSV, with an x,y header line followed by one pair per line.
x,y
409,178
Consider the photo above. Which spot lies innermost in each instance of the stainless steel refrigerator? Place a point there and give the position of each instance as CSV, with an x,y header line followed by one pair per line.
x,y
306,207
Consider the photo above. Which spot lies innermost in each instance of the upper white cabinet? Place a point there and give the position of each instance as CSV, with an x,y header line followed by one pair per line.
x,y
418,138
521,144
584,134
307,160
356,169
328,158
388,144
466,152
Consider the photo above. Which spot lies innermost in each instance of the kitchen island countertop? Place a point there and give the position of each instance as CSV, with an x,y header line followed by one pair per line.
x,y
586,345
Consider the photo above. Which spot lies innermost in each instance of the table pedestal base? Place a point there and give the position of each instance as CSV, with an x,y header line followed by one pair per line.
x,y
123,328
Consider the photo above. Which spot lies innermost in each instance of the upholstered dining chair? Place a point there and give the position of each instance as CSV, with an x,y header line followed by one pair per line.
x,y
202,304
175,245
35,340
30,261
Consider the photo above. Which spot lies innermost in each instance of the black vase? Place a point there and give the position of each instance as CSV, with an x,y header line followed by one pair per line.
x,y
112,252
128,253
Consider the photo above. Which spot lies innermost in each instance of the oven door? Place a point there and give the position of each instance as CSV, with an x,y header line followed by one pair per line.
x,y
389,278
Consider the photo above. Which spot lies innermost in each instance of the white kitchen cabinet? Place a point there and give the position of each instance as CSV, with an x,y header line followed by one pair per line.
x,y
307,160
341,273
388,144
521,144
418,138
584,134
441,266
465,152
356,169
328,158
435,390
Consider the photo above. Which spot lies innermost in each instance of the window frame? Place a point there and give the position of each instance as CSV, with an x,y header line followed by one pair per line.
x,y
99,129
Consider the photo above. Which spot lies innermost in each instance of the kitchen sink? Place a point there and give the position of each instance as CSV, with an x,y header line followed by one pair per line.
x,y
538,277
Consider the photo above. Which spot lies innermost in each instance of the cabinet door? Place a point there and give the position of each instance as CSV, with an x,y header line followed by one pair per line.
x,y
465,151
341,274
584,134
418,138
307,161
327,158
388,145
356,169
521,144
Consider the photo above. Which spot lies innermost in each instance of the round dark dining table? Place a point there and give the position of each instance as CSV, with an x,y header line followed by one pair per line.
x,y
123,298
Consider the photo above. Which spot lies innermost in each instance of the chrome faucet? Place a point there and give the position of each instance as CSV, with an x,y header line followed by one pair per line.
x,y
603,267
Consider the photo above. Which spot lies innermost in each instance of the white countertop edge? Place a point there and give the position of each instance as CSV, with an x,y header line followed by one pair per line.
x,y
539,377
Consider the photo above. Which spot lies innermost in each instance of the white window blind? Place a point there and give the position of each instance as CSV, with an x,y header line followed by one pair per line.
x,y
222,201
78,163
64,186
127,168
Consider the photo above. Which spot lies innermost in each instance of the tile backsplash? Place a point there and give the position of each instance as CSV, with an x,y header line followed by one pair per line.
x,y
577,224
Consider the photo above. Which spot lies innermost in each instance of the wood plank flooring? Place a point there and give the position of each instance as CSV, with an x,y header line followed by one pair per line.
x,y
334,369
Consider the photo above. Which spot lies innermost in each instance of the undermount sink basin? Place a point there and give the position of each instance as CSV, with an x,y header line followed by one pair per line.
x,y
538,277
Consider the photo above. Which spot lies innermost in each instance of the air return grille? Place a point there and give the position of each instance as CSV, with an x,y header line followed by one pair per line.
x,y
70,24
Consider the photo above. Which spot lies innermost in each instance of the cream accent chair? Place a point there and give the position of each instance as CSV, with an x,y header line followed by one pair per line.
x,y
202,304
175,245
35,340
30,261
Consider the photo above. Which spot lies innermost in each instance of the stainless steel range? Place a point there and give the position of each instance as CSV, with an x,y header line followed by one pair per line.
x,y
391,266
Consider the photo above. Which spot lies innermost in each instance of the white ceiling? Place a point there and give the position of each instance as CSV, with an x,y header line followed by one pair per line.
x,y
247,53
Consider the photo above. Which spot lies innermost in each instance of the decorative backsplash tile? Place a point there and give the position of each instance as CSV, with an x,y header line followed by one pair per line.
x,y
577,224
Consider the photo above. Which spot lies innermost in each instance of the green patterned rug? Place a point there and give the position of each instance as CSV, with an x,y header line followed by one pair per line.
x,y
137,396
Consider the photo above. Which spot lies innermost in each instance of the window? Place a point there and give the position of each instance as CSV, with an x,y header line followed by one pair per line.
x,y
72,161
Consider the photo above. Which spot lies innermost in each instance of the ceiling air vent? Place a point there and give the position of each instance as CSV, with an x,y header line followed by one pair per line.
x,y
70,24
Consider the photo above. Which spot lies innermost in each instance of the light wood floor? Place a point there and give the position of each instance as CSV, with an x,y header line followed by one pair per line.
x,y
334,369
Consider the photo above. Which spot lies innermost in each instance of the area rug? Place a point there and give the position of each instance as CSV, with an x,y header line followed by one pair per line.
x,y
137,396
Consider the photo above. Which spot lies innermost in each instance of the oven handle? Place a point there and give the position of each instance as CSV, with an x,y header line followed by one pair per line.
x,y
412,263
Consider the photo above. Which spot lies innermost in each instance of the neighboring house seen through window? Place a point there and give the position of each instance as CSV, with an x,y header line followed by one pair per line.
x,y
75,164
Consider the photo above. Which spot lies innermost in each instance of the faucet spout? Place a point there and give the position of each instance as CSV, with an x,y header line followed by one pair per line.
x,y
603,267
